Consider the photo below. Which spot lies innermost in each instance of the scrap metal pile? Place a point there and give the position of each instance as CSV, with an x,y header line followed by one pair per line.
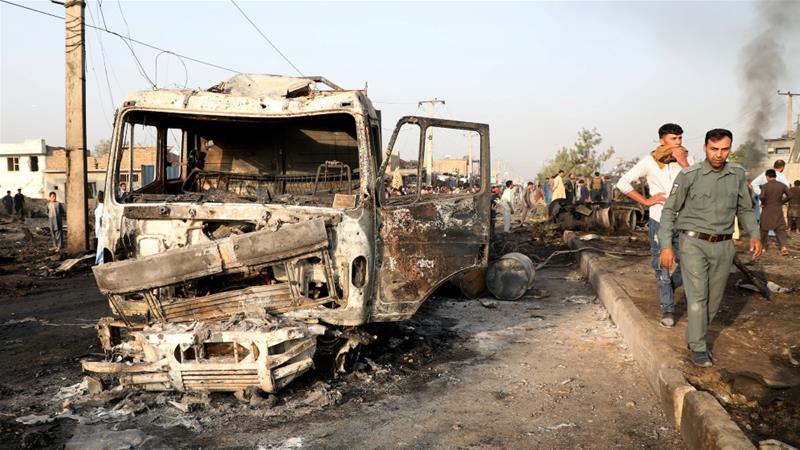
x,y
226,341
609,217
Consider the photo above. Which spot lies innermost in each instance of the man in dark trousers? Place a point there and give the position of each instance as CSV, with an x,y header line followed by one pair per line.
x,y
597,188
569,188
794,207
773,195
702,204
8,203
19,204
55,211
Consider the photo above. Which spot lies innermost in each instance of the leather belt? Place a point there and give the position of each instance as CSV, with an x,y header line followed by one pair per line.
x,y
708,237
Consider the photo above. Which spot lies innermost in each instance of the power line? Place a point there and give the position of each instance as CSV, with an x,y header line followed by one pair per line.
x,y
267,39
129,39
105,67
139,65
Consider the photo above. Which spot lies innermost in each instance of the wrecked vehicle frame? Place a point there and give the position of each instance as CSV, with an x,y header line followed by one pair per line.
x,y
263,227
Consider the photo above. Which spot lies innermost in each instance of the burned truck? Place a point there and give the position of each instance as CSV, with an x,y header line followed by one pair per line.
x,y
257,224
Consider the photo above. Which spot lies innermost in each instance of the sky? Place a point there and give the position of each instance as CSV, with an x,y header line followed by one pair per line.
x,y
536,72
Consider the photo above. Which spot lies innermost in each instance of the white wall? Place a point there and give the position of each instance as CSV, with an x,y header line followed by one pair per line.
x,y
32,183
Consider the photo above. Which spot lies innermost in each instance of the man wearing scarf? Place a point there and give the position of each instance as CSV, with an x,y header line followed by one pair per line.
x,y
660,168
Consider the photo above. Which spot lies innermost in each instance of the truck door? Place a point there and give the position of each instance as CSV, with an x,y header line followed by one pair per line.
x,y
434,214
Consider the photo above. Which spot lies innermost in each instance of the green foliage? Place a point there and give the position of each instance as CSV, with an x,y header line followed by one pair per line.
x,y
102,147
582,159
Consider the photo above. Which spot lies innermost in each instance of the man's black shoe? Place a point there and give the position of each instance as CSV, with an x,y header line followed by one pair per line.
x,y
667,320
701,359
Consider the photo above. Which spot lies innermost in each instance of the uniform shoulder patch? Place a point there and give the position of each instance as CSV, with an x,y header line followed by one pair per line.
x,y
692,168
674,189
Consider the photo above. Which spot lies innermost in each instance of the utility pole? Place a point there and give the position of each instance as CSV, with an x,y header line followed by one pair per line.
x,y
429,141
77,235
789,116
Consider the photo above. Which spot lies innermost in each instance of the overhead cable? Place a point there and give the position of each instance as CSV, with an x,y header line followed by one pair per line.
x,y
285,58
129,39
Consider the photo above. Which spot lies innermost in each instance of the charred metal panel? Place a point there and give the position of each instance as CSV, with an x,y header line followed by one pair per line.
x,y
228,254
430,239
425,244
212,356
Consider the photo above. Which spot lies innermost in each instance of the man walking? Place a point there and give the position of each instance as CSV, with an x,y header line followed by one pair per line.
x,y
19,204
527,205
761,180
505,201
793,214
773,195
55,210
8,203
98,227
660,168
702,205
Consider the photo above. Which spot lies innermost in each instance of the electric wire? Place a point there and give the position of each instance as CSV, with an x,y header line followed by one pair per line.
x,y
130,39
105,66
285,58
139,65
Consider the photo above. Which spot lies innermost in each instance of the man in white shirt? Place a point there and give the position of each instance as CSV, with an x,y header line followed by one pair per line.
x,y
559,191
761,180
505,201
660,168
98,227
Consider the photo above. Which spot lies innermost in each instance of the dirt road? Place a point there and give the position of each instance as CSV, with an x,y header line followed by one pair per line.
x,y
546,372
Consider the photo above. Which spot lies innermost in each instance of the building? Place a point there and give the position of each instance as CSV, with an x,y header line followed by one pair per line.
x,y
792,170
23,166
144,160
451,166
38,169
778,148
55,176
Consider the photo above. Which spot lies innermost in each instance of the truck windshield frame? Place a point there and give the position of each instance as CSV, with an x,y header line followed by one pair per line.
x,y
303,160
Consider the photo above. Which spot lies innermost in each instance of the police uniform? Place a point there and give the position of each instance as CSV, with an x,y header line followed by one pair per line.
x,y
702,206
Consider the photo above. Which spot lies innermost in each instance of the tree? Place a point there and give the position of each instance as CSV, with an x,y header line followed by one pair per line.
x,y
623,165
583,158
102,147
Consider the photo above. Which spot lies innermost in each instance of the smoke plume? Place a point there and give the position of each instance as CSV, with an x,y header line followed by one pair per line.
x,y
763,69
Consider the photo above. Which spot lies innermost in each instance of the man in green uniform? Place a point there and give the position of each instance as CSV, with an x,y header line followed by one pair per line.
x,y
704,200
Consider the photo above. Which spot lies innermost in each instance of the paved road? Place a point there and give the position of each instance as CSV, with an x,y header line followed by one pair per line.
x,y
537,373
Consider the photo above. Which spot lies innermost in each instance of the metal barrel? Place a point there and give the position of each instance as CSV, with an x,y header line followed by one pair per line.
x,y
510,276
604,218
625,219
472,283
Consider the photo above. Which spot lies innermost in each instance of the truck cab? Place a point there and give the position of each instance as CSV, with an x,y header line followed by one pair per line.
x,y
262,213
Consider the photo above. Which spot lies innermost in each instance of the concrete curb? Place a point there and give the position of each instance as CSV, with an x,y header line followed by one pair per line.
x,y
701,420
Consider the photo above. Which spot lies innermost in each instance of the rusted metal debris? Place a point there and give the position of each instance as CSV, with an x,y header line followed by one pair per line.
x,y
264,226
617,216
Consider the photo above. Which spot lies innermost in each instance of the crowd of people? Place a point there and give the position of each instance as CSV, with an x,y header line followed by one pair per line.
x,y
461,188
567,188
